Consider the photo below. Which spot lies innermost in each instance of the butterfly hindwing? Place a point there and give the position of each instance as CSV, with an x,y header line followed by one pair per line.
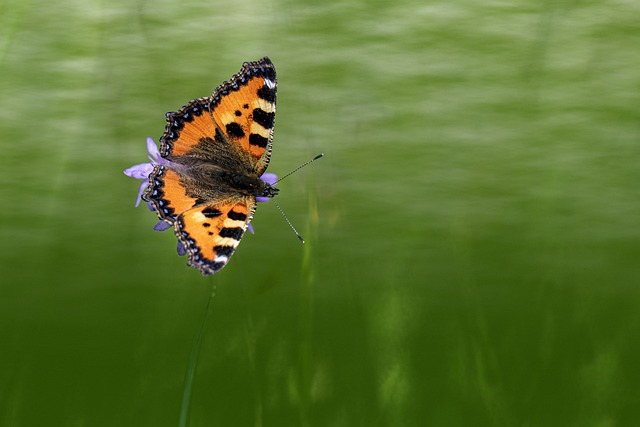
x,y
211,233
168,194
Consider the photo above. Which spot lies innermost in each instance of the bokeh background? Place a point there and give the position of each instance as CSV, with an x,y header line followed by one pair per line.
x,y
472,233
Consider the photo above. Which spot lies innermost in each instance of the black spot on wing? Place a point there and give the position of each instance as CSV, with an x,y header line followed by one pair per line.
x,y
234,130
263,118
236,216
211,212
220,136
258,140
267,94
232,232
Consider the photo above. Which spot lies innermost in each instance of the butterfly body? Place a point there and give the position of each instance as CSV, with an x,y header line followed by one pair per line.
x,y
207,179
214,151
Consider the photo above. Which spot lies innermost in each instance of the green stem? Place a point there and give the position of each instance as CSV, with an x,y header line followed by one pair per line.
x,y
193,362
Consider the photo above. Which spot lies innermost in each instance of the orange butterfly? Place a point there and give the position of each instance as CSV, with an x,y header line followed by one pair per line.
x,y
210,170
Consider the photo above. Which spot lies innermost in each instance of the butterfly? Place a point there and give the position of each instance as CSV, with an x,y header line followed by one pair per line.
x,y
213,153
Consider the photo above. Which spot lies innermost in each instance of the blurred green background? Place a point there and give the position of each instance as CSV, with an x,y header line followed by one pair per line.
x,y
472,233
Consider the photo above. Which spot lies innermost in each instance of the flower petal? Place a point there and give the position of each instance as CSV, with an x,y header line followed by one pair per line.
x,y
250,227
269,178
155,156
262,199
162,225
152,148
140,171
182,251
143,186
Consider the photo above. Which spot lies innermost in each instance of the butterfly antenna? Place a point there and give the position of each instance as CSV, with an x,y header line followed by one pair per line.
x,y
298,168
288,222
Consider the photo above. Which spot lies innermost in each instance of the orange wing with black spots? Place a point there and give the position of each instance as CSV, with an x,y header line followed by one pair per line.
x,y
212,148
168,194
186,127
242,109
211,233
245,107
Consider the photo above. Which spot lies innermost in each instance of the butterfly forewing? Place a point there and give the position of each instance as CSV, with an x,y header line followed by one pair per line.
x,y
244,108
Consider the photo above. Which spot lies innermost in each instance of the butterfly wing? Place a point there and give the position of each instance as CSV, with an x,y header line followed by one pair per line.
x,y
244,108
211,233
168,194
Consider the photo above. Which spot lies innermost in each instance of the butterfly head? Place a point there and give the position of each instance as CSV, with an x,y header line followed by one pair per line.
x,y
251,185
268,191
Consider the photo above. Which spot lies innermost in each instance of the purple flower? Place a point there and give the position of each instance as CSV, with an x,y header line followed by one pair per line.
x,y
142,170
182,251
